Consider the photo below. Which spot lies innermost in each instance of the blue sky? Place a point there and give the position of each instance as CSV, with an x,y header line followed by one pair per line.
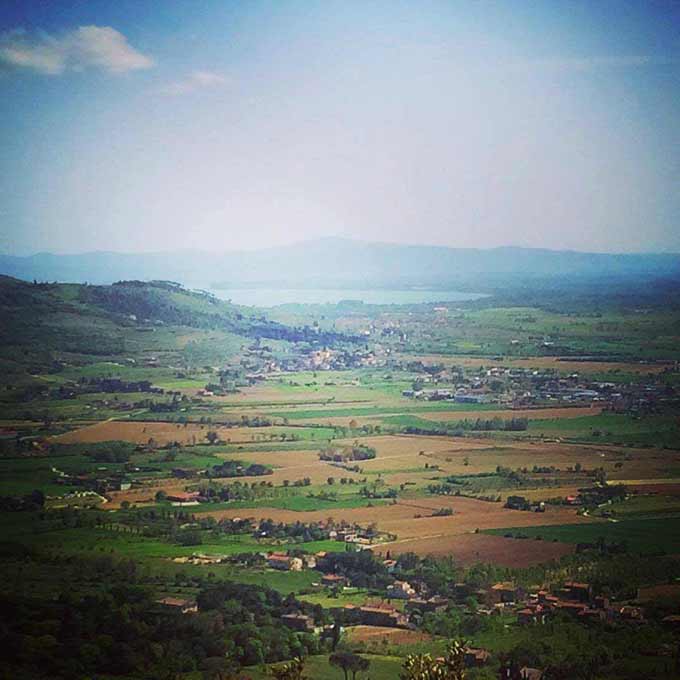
x,y
152,126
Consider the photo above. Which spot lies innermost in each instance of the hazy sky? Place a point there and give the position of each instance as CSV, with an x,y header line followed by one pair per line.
x,y
135,125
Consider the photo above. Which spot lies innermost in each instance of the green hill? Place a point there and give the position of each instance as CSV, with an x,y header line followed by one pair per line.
x,y
48,323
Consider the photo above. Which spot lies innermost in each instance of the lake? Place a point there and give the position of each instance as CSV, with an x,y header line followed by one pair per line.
x,y
272,297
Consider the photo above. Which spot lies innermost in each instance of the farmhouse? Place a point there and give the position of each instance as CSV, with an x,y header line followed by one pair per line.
x,y
382,615
333,580
400,590
476,657
504,592
177,604
298,622
434,604
284,562
579,592
180,498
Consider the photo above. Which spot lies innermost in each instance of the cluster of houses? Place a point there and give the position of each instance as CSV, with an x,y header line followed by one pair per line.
x,y
460,395
574,598
524,387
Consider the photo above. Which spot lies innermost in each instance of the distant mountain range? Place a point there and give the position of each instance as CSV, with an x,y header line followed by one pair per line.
x,y
343,263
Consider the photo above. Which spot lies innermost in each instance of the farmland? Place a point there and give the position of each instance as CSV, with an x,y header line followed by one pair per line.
x,y
331,473
646,536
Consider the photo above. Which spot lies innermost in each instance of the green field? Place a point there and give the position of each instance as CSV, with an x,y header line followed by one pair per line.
x,y
643,536
612,428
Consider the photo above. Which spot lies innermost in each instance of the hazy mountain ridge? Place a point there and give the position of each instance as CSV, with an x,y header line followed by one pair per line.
x,y
341,263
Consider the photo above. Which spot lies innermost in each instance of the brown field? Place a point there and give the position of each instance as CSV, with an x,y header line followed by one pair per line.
x,y
144,495
271,392
399,453
558,363
455,415
413,519
665,487
662,593
395,636
531,413
163,433
291,465
469,549
651,481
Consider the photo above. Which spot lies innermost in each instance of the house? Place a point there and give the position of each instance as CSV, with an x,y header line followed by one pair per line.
x,y
298,622
580,592
390,565
529,615
177,604
629,613
181,498
321,560
284,562
601,602
383,615
527,673
471,398
463,590
400,590
434,604
333,580
504,592
592,615
309,561
476,657
574,608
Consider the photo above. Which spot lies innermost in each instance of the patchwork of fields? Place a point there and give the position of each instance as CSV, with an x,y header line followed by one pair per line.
x,y
398,489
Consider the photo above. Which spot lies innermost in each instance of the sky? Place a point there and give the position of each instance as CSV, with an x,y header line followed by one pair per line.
x,y
160,125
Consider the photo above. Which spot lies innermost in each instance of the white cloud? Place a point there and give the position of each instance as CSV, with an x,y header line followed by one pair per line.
x,y
197,80
100,47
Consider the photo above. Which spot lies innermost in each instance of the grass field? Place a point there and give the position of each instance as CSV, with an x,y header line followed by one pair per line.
x,y
644,536
656,431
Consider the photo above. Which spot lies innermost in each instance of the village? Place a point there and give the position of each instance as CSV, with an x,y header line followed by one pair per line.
x,y
403,605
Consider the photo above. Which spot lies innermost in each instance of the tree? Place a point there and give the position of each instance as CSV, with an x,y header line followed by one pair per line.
x,y
290,671
349,663
424,667
212,437
601,476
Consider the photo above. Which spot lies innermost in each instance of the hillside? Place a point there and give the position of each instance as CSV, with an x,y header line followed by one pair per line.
x,y
44,323
345,263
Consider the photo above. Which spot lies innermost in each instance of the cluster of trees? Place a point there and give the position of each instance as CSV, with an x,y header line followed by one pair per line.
x,y
237,468
236,491
110,452
107,623
375,491
298,531
597,495
361,568
347,453
459,427
28,502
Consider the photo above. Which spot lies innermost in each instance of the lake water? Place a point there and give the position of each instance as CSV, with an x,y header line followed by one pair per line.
x,y
269,297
